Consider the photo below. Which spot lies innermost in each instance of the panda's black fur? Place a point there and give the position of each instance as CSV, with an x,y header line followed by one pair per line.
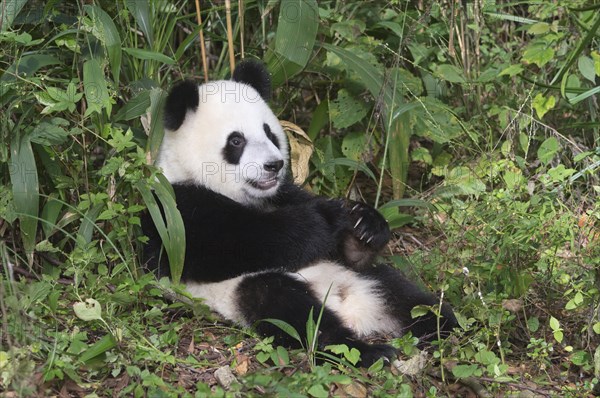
x,y
261,247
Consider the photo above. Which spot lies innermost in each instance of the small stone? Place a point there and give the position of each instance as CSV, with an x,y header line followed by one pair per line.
x,y
224,377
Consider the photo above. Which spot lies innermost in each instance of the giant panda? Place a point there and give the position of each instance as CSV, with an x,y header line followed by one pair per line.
x,y
260,247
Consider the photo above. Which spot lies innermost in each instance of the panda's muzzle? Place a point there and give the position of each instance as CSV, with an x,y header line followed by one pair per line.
x,y
273,166
269,177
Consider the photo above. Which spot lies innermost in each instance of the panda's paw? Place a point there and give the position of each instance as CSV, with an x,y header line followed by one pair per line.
x,y
371,353
368,225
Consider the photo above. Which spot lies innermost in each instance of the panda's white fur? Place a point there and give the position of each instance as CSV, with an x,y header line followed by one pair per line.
x,y
258,246
224,106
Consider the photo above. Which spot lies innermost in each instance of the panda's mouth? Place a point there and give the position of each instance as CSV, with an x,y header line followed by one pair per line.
x,y
264,185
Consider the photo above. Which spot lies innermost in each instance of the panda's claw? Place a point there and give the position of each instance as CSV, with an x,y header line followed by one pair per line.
x,y
362,236
369,240
354,207
358,222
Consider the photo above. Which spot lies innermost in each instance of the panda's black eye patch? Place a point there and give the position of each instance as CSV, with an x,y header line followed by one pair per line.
x,y
234,148
270,135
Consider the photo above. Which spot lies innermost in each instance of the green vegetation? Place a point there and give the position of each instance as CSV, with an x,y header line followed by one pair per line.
x,y
473,126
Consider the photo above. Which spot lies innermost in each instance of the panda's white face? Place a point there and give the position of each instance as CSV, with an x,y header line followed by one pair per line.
x,y
232,143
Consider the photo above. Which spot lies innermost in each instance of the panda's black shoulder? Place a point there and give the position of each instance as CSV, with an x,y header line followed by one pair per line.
x,y
190,197
182,97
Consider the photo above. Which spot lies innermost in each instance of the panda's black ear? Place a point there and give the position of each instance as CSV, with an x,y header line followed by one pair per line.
x,y
255,74
182,97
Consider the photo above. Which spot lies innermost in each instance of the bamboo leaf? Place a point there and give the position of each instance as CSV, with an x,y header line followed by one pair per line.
x,y
156,132
25,189
170,228
141,13
96,91
583,44
9,11
135,107
107,342
86,229
286,327
149,55
106,31
585,95
294,39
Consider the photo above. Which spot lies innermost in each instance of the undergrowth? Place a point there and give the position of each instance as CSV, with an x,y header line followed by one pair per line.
x,y
473,126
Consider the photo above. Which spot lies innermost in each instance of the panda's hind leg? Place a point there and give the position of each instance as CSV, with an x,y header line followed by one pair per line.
x,y
402,295
282,296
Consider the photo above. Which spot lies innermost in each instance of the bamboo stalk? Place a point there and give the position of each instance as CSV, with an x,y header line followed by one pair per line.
x,y
202,46
229,35
241,19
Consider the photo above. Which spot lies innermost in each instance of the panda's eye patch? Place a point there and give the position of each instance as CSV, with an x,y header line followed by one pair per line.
x,y
234,148
236,140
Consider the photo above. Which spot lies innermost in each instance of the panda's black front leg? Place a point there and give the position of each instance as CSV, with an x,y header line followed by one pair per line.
x,y
368,235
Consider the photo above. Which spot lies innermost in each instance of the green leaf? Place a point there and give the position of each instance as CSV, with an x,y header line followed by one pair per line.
x,y
170,227
464,371
352,164
512,70
408,203
88,225
354,146
105,30
135,107
558,335
596,327
346,110
538,53
320,119
141,13
584,95
554,324
9,9
419,310
24,67
573,55
586,68
294,39
96,91
533,324
539,28
543,104
286,327
25,190
50,133
318,391
548,150
90,310
451,73
149,55
107,342
156,133
596,58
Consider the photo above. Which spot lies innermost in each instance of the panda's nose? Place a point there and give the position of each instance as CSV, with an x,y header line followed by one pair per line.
x,y
273,166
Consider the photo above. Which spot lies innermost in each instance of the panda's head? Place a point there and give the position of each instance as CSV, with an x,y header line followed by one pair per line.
x,y
222,135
